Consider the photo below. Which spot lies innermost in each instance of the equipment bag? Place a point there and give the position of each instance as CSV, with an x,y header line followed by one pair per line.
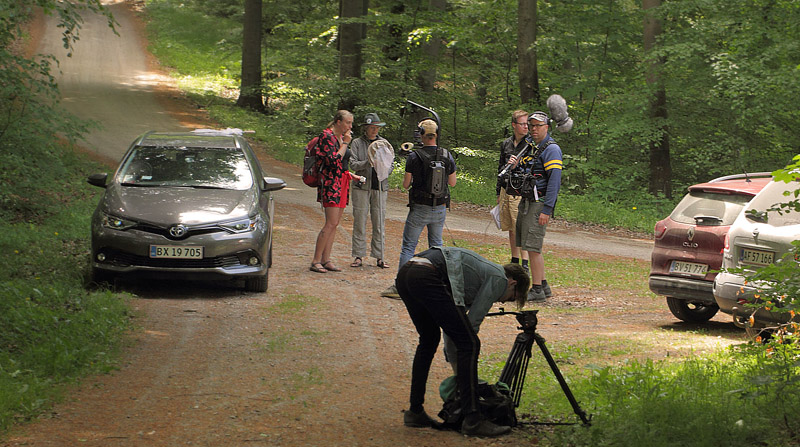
x,y
494,402
311,164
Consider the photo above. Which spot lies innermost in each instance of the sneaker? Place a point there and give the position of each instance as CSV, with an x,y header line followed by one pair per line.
x,y
536,294
391,292
418,420
484,428
546,287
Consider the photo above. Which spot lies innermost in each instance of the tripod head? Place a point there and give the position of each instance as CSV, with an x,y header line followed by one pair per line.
x,y
527,318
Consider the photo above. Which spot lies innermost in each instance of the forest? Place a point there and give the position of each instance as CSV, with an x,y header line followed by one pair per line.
x,y
663,93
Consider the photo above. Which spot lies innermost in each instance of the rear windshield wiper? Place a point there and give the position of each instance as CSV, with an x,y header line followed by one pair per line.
x,y
707,220
140,185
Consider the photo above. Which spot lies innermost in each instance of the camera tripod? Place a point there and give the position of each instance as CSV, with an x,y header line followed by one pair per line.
x,y
516,367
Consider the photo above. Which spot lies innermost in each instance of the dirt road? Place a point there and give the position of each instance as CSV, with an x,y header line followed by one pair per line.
x,y
318,360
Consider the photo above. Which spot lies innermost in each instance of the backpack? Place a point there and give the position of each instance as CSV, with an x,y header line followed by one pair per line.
x,y
436,173
494,402
311,164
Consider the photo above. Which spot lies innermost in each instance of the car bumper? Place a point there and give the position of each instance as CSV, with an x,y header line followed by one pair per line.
x,y
729,289
225,255
695,290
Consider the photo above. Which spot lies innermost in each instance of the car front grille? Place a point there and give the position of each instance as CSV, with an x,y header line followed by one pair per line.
x,y
127,259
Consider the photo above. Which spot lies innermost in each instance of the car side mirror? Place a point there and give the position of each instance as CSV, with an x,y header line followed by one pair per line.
x,y
273,184
98,179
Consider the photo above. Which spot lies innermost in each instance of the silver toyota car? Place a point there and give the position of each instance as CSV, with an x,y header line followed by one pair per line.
x,y
191,205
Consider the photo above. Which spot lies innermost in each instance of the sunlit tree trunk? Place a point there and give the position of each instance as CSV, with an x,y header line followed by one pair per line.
x,y
251,90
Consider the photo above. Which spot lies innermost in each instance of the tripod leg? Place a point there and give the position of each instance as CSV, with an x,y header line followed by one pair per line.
x,y
516,367
564,386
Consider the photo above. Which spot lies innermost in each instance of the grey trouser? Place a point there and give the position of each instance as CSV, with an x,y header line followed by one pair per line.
x,y
372,202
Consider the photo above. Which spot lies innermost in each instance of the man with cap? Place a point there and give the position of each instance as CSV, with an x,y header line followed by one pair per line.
x,y
369,197
424,210
536,209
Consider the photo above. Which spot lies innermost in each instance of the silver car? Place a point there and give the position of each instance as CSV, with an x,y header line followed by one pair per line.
x,y
192,205
755,239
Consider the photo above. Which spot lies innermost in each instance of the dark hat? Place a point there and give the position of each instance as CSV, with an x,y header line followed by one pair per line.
x,y
372,119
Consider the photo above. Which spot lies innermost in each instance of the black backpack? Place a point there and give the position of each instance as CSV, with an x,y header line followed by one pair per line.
x,y
435,172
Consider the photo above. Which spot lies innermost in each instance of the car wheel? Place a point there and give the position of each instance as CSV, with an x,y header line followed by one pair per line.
x,y
257,283
691,312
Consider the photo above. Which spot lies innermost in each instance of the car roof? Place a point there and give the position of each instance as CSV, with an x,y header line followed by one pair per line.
x,y
743,184
218,139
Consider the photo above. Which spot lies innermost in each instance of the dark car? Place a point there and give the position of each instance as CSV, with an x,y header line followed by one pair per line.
x,y
191,205
688,243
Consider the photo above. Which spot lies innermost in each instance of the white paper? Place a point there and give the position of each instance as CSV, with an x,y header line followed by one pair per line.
x,y
495,212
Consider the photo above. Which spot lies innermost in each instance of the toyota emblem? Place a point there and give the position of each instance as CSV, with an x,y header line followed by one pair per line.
x,y
177,231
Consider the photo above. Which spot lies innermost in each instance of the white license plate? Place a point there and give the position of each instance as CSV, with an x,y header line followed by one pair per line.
x,y
175,252
757,257
688,268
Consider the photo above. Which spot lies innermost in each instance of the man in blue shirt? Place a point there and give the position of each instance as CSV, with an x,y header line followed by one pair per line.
x,y
452,289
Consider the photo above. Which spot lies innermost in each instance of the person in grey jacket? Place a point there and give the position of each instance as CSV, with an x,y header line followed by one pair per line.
x,y
452,289
368,197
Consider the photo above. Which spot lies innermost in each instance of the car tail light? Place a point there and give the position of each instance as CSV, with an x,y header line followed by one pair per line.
x,y
726,244
659,229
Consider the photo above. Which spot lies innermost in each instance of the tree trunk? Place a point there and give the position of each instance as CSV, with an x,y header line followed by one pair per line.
x,y
526,52
350,58
427,77
251,90
660,169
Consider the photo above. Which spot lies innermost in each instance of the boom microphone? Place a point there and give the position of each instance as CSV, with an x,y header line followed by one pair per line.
x,y
558,110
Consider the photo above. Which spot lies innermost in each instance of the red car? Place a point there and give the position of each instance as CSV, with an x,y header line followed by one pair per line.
x,y
689,243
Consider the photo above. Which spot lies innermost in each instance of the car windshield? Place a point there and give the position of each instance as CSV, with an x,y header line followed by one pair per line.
x,y
705,208
217,168
770,197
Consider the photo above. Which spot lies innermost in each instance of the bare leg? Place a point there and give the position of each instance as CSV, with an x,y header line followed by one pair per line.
x,y
537,267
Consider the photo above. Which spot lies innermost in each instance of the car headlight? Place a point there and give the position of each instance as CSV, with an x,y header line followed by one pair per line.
x,y
241,226
117,223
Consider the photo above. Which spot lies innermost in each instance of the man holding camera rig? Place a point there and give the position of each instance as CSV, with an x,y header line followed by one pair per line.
x,y
507,189
425,209
452,289
543,166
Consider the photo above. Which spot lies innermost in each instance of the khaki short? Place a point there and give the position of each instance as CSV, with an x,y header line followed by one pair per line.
x,y
530,234
508,211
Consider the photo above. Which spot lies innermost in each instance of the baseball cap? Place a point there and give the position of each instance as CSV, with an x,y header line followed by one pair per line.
x,y
428,127
538,116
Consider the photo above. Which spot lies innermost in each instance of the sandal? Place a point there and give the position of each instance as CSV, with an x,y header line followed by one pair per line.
x,y
329,266
357,262
382,264
318,267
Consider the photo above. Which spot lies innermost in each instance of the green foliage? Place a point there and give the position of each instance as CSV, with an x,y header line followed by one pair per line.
x,y
52,330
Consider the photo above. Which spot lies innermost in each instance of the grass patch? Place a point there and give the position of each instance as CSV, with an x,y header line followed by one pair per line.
x,y
52,329
292,304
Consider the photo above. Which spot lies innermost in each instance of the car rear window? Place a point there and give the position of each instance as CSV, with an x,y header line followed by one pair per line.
x,y
720,209
222,168
771,196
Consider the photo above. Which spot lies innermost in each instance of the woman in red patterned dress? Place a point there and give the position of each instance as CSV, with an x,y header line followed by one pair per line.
x,y
334,186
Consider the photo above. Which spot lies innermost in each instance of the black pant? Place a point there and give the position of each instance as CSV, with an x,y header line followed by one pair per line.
x,y
431,308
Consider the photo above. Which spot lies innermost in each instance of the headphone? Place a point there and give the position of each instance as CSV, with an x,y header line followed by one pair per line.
x,y
421,131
